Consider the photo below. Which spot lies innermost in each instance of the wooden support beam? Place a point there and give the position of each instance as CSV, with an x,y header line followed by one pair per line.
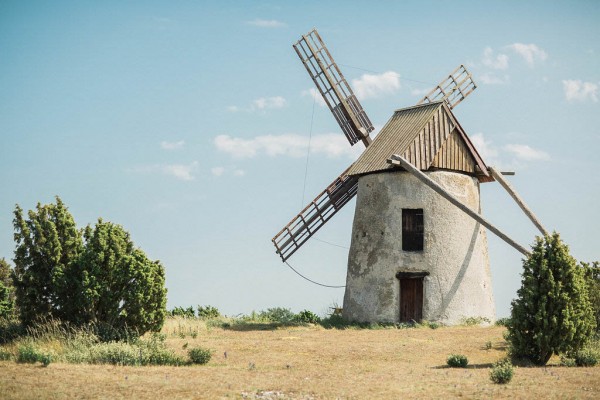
x,y
513,193
398,160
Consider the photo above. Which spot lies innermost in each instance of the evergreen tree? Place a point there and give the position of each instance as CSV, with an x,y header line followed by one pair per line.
x,y
552,313
48,244
120,286
7,296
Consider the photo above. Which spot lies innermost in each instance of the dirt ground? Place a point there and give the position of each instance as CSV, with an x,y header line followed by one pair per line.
x,y
311,362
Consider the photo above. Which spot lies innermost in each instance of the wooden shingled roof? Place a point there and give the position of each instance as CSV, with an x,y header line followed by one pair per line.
x,y
429,137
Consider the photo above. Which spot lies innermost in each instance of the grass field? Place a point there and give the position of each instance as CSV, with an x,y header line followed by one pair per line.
x,y
306,363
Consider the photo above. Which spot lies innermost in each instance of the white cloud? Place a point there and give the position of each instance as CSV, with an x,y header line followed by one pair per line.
x,y
239,172
267,23
499,61
485,149
491,79
577,90
290,145
530,53
526,153
375,85
420,92
217,171
315,95
180,171
263,103
172,145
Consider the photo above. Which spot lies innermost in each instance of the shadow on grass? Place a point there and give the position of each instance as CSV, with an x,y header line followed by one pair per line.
x,y
470,366
259,326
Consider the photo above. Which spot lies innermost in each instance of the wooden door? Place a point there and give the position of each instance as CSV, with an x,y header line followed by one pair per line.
x,y
411,299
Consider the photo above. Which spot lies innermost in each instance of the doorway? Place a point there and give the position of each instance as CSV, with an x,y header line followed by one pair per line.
x,y
411,295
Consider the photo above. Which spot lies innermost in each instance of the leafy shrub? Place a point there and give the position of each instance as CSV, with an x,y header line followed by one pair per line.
x,y
552,313
28,353
183,312
5,355
502,372
503,321
10,329
278,315
335,321
474,321
457,361
308,317
592,277
208,312
586,358
199,355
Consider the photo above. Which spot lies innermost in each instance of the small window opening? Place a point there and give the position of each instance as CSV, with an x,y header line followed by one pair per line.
x,y
412,229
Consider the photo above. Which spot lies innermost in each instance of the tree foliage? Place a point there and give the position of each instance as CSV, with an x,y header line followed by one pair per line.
x,y
7,296
592,276
93,276
552,313
48,244
120,286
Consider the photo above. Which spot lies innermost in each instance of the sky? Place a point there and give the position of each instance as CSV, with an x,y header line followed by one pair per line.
x,y
188,123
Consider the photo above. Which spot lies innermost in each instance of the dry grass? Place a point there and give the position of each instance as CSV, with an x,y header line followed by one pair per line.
x,y
310,362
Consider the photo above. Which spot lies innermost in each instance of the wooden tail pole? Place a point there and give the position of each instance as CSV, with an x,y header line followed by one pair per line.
x,y
513,193
398,160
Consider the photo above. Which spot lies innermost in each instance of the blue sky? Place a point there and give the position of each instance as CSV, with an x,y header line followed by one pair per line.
x,y
188,123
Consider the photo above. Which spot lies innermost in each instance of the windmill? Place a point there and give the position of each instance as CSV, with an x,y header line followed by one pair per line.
x,y
414,254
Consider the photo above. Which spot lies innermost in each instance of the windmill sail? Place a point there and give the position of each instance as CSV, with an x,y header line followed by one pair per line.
x,y
315,215
333,87
453,89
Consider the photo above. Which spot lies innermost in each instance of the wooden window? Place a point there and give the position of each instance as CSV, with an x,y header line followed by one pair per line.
x,y
412,229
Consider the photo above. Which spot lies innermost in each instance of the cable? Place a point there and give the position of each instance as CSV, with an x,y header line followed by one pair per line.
x,y
376,72
312,118
333,244
310,280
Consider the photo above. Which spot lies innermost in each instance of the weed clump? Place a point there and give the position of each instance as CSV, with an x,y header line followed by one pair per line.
x,y
199,355
457,361
28,353
502,371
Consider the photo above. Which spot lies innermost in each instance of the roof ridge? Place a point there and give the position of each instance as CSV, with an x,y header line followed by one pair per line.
x,y
419,105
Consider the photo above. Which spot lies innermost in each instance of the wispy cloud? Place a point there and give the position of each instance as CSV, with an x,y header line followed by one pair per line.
x,y
172,145
509,156
266,23
488,78
221,171
526,153
261,104
531,53
291,145
420,92
368,85
184,172
490,60
577,90
485,148
181,171
315,95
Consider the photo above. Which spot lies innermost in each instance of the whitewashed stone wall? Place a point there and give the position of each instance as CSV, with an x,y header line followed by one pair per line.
x,y
455,250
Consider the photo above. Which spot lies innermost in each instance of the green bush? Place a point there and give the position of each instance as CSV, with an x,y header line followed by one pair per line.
x,y
552,313
308,317
208,312
278,315
586,358
475,321
28,353
457,361
5,355
183,312
502,372
503,321
199,355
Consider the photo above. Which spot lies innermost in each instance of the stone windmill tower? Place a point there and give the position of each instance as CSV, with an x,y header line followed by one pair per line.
x,y
416,253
